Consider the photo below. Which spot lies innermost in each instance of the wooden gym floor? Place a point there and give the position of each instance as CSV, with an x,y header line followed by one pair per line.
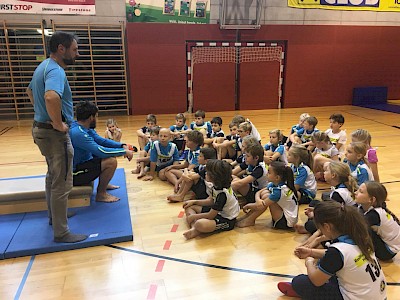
x,y
160,264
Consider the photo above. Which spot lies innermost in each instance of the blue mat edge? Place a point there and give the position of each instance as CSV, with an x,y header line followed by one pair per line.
x,y
66,247
69,247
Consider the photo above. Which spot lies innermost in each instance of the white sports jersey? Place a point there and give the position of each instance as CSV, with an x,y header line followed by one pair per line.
x,y
388,230
344,193
331,152
359,279
286,201
231,208
340,137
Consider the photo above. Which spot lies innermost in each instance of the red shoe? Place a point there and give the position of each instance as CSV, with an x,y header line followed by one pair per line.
x,y
287,289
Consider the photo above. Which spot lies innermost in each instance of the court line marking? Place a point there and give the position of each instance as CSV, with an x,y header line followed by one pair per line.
x,y
354,114
213,266
22,284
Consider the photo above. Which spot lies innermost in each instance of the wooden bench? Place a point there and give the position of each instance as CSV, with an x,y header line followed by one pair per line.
x,y
28,194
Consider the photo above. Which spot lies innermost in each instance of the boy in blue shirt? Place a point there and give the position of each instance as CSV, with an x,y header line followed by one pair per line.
x,y
163,154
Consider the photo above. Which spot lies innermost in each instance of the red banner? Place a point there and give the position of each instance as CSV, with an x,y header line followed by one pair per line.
x,y
61,7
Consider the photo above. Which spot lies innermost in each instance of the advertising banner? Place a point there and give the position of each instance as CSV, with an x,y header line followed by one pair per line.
x,y
372,5
53,7
168,11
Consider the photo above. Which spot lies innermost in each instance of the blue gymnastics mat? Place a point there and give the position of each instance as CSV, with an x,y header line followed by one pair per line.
x,y
105,223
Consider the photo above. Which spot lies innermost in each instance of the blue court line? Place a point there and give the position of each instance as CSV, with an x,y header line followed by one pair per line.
x,y
22,284
214,266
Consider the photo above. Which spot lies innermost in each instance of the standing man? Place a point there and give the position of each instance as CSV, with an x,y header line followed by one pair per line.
x,y
51,96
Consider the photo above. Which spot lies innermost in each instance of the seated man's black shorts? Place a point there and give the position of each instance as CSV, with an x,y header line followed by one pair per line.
x,y
86,172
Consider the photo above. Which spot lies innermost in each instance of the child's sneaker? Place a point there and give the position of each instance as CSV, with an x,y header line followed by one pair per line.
x,y
132,148
287,289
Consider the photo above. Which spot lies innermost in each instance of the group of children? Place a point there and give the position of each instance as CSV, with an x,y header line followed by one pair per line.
x,y
213,170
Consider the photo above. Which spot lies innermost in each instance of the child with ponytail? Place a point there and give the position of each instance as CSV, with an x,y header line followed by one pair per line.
x,y
385,228
343,187
348,268
355,153
279,196
304,179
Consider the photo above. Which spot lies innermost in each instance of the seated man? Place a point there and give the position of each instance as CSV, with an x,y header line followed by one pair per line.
x,y
94,156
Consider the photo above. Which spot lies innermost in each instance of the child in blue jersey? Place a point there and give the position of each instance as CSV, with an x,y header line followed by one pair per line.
x,y
163,154
143,160
255,177
279,196
355,153
296,128
243,131
303,136
217,132
343,187
144,132
304,179
178,131
348,268
324,152
200,124
222,200
195,180
384,225
362,135
193,140
274,150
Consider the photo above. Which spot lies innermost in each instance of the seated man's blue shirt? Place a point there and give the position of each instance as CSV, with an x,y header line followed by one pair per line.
x,y
87,144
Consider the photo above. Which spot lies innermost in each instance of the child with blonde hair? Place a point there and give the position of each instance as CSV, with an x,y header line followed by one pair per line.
x,y
112,131
355,158
343,187
362,135
304,179
275,150
324,152
385,226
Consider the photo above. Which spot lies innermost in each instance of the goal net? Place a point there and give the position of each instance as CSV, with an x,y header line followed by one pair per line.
x,y
231,53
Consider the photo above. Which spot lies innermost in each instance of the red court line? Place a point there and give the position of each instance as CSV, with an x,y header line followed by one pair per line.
x,y
181,214
174,228
160,265
167,245
152,292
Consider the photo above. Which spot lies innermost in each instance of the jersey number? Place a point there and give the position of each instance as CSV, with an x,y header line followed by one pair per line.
x,y
374,270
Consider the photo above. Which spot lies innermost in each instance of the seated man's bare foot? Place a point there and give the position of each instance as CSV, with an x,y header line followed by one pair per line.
x,y
136,171
106,198
175,198
190,234
141,175
300,229
245,223
112,187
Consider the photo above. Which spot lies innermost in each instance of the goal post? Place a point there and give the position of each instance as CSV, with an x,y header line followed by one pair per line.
x,y
233,52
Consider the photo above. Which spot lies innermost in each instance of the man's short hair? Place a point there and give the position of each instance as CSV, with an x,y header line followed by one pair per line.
x,y
85,109
61,38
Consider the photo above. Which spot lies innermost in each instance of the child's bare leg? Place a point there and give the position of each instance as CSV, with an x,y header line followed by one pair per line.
x,y
180,196
173,177
250,218
200,226
142,141
299,228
